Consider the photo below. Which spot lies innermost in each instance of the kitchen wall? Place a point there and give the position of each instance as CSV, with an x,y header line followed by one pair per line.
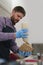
x,y
4,12
6,4
5,7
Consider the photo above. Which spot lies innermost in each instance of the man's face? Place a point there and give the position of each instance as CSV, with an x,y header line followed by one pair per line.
x,y
16,16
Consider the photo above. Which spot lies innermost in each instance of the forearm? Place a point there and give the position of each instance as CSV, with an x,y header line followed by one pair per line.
x,y
14,49
7,36
14,46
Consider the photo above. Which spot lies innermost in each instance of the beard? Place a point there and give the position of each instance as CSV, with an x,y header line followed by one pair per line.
x,y
14,21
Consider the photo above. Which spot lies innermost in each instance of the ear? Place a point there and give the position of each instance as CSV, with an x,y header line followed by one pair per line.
x,y
12,13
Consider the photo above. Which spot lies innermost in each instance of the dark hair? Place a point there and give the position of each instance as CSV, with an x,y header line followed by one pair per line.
x,y
19,9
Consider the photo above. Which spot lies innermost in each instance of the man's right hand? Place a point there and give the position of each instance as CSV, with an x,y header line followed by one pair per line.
x,y
22,33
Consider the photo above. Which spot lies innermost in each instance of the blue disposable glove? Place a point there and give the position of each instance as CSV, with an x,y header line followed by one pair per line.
x,y
21,33
24,54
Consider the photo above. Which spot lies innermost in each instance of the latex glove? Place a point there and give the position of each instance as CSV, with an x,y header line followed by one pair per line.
x,y
24,54
22,33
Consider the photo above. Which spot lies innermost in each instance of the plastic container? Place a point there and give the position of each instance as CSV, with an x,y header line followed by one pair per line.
x,y
25,25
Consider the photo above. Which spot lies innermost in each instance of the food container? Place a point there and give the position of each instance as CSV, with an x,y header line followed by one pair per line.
x,y
25,25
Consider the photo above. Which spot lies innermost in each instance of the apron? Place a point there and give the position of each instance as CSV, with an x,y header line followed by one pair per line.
x,y
5,45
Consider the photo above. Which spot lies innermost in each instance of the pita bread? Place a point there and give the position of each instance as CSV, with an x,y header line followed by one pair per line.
x,y
26,47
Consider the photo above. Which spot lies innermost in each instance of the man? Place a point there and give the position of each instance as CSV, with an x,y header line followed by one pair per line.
x,y
8,33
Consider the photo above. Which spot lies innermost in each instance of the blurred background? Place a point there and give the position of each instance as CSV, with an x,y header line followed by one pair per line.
x,y
34,17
